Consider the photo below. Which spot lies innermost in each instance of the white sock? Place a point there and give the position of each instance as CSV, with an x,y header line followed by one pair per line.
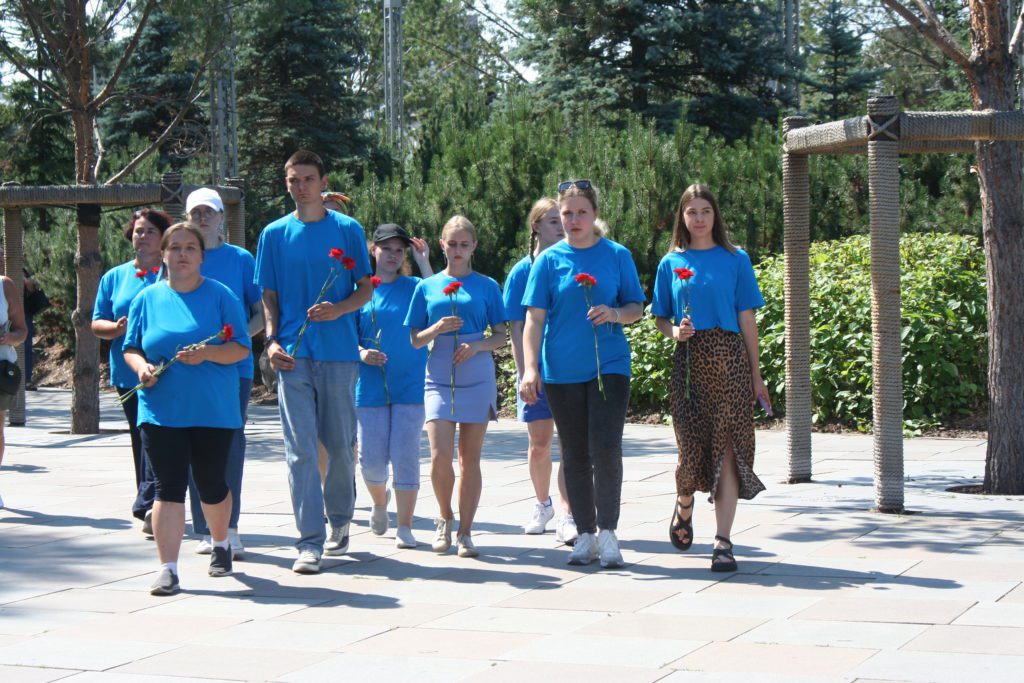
x,y
173,566
226,544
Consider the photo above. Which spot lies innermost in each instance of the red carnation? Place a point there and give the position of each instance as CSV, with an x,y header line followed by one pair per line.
x,y
336,253
348,262
141,273
683,273
376,281
227,334
452,288
586,279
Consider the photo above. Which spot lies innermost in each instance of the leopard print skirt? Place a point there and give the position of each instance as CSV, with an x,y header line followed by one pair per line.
x,y
718,413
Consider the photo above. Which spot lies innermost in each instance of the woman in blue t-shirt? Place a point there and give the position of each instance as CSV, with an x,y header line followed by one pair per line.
x,y
453,309
545,229
389,395
188,413
118,288
705,294
580,293
233,267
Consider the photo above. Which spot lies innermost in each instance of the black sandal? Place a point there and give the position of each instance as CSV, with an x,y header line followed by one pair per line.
x,y
722,559
680,531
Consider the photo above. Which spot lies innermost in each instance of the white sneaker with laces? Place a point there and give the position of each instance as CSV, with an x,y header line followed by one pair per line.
x,y
237,549
443,535
542,514
308,562
379,516
404,538
584,551
466,547
608,549
205,546
337,542
565,530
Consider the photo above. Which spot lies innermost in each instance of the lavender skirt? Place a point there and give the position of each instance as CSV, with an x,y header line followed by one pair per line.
x,y
476,390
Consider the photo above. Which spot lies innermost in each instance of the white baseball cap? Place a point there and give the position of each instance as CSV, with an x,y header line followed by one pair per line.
x,y
204,196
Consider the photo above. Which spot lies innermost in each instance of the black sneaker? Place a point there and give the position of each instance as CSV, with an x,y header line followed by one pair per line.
x,y
166,583
220,561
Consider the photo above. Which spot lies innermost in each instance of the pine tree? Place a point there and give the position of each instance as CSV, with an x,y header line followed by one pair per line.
x,y
837,79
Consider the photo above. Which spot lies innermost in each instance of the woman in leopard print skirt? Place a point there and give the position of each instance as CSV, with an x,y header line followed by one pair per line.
x,y
704,299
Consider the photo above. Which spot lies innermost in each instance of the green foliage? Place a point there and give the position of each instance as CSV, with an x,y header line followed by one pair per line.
x,y
837,79
944,329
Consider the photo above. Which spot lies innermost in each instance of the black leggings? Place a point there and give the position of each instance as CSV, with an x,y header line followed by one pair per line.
x,y
590,432
171,450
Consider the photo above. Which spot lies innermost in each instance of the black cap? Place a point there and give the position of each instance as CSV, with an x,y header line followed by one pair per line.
x,y
389,230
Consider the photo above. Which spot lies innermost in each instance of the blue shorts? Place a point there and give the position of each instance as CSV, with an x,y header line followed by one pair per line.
x,y
527,412
391,434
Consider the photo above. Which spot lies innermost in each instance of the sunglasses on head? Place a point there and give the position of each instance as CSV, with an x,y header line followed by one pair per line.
x,y
578,184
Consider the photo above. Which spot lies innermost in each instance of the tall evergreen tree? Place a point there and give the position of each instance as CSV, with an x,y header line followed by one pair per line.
x,y
297,62
718,58
838,81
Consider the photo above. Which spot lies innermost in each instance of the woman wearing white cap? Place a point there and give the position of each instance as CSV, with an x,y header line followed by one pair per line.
x,y
233,267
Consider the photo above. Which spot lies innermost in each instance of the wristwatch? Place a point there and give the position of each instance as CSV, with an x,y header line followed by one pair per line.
x,y
270,339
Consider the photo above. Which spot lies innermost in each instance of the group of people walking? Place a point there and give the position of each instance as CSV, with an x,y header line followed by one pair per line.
x,y
372,355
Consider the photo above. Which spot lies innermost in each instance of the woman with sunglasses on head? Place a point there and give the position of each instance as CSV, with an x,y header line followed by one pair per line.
x,y
545,229
705,294
117,289
233,267
454,309
580,293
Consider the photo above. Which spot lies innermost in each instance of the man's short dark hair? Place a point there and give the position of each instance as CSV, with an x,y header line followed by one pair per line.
x,y
306,158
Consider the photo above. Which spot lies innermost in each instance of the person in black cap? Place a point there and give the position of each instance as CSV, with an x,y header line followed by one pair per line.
x,y
389,395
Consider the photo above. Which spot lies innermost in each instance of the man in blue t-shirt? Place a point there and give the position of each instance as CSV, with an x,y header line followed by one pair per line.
x,y
314,269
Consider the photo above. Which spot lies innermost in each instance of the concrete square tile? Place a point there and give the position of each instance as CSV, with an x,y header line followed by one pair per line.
x,y
775,584
853,568
95,600
516,672
223,662
30,622
726,677
988,614
32,674
896,611
390,614
976,570
942,667
288,635
1016,595
761,606
911,588
866,635
671,626
980,640
74,653
143,627
626,651
516,620
224,606
110,677
425,642
758,659
572,598
388,667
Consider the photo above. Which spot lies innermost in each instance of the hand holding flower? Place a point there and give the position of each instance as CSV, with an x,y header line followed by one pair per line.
x,y
323,311
373,357
190,356
529,386
148,376
449,323
599,315
684,330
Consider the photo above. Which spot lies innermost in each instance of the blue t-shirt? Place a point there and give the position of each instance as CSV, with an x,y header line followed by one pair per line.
x,y
406,367
292,260
163,321
234,267
515,286
568,355
478,302
118,288
723,284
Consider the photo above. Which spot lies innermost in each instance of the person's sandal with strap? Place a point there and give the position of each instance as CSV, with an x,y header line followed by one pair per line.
x,y
722,559
680,530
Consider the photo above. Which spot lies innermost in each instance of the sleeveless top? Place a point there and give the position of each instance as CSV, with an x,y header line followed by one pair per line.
x,y
7,351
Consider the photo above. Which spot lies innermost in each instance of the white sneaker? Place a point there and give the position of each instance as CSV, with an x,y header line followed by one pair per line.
x,y
379,517
466,547
147,524
404,538
584,551
237,549
337,542
565,530
542,514
205,546
443,535
308,562
608,549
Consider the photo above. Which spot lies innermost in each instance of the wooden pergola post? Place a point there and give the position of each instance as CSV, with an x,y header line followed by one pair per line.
x,y
14,263
235,214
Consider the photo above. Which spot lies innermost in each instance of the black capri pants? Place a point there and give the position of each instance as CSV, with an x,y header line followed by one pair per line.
x,y
172,450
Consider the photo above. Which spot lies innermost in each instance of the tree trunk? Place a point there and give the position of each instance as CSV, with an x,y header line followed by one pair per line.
x,y
85,396
1001,174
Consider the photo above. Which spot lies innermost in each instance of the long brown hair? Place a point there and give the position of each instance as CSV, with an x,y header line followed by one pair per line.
x,y
540,207
681,236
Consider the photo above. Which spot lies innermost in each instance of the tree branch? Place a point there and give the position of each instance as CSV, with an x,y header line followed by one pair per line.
x,y
104,94
100,149
1018,34
932,29
22,68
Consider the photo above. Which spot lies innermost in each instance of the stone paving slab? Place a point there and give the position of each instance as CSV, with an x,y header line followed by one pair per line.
x,y
827,590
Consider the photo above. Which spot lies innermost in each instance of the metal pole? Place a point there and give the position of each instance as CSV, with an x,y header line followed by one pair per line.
x,y
394,85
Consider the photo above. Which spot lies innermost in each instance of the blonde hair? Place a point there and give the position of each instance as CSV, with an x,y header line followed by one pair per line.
x,y
591,195
458,222
537,211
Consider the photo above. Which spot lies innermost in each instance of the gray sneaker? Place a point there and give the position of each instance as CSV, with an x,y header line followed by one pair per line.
x,y
337,542
442,535
220,561
147,524
584,551
379,517
308,562
166,583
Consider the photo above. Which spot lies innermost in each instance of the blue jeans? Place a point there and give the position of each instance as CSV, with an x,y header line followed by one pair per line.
x,y
233,471
317,400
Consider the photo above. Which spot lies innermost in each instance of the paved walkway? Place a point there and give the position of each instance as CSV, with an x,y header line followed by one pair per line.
x,y
827,590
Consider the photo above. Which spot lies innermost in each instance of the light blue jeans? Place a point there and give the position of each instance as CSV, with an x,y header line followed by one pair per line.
x,y
391,434
317,400
233,473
